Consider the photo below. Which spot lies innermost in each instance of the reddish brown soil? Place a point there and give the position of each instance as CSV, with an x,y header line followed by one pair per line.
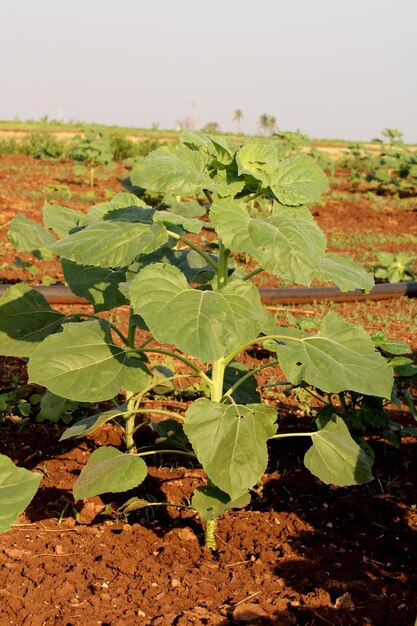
x,y
302,552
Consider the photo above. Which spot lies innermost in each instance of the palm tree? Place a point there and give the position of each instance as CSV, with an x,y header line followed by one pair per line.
x,y
267,123
237,116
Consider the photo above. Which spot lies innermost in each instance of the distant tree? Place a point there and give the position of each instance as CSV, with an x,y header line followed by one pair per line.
x,y
185,124
211,127
237,117
267,123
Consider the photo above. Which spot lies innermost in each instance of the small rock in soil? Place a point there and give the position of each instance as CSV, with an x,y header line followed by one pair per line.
x,y
248,612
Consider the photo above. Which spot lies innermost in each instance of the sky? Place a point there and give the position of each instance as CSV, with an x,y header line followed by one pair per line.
x,y
327,68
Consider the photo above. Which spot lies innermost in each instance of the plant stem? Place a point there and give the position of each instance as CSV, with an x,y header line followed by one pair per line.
x,y
231,356
210,534
190,364
131,332
196,248
291,435
258,270
217,378
208,196
222,269
130,423
97,317
189,455
249,374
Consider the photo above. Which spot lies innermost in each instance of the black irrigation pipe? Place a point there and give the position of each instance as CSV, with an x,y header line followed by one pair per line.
x,y
60,294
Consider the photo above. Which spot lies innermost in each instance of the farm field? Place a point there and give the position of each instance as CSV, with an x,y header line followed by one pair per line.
x,y
302,552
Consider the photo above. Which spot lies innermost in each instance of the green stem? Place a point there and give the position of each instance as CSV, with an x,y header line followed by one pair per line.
x,y
97,317
189,455
222,270
249,374
292,435
208,196
253,273
231,356
131,332
158,411
217,378
129,429
210,534
196,248
183,359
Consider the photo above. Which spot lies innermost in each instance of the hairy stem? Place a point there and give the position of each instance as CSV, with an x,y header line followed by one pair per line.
x,y
210,534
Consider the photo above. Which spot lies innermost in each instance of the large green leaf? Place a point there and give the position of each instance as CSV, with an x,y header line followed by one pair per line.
x,y
344,273
111,243
60,219
257,159
188,224
25,319
17,488
288,243
109,471
89,424
210,502
230,442
179,172
98,285
339,357
205,324
26,235
215,147
335,458
82,363
122,200
298,180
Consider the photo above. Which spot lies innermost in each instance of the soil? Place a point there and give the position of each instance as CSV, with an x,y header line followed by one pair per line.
x,y
302,553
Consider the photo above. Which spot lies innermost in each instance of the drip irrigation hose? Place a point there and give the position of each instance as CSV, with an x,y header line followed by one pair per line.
x,y
60,294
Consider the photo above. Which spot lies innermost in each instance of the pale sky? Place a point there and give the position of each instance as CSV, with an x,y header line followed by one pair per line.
x,y
329,68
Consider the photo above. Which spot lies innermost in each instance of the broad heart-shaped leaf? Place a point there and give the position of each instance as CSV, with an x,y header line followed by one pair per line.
x,y
60,219
122,200
344,273
230,442
335,458
179,172
288,243
339,357
190,209
82,363
215,147
109,471
210,502
111,243
17,488
25,319
98,285
205,324
298,180
27,236
188,224
256,159
88,425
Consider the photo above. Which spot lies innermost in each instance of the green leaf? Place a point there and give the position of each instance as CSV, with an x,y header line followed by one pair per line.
x,y
28,236
98,285
82,363
60,219
210,502
335,458
190,208
89,424
111,243
257,159
245,393
205,324
109,471
25,320
179,172
288,244
339,357
344,273
17,488
51,407
189,225
230,442
298,180
213,146
122,200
